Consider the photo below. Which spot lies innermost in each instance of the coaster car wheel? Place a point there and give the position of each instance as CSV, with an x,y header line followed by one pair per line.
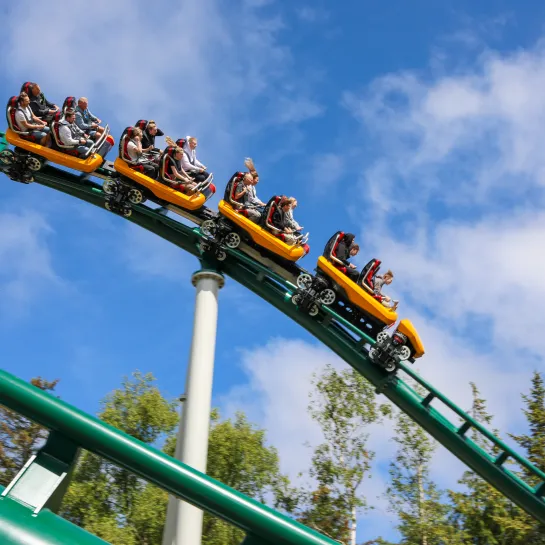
x,y
135,196
403,352
232,240
327,297
127,212
221,255
7,157
304,281
33,163
109,187
390,366
208,228
107,206
297,299
383,338
313,310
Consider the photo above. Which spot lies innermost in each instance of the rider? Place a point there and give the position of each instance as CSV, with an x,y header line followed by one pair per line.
x,y
86,121
26,120
71,135
148,137
141,162
175,176
340,254
281,222
40,106
242,194
253,200
378,282
190,162
291,221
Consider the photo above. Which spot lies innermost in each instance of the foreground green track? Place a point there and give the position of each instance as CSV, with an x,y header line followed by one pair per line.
x,y
347,342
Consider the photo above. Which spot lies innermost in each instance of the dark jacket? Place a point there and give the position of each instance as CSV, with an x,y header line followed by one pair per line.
x,y
149,140
279,219
40,106
343,249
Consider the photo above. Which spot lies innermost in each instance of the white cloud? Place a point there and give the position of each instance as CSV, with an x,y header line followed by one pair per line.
x,y
466,140
312,15
492,269
456,192
325,171
276,395
196,68
26,268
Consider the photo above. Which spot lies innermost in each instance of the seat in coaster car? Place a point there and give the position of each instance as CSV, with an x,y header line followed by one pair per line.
x,y
11,108
164,175
69,102
141,124
27,88
267,216
367,275
166,160
128,133
230,192
331,255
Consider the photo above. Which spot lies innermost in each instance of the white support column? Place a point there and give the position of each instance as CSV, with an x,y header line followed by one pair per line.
x,y
184,522
169,531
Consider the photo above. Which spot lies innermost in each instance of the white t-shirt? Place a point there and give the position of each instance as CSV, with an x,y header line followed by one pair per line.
x,y
22,115
132,151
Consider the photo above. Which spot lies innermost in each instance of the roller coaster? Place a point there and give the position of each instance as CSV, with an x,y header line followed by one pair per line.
x,y
348,322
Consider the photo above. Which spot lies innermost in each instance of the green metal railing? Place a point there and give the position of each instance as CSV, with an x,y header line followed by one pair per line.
x,y
19,526
3,142
258,520
347,342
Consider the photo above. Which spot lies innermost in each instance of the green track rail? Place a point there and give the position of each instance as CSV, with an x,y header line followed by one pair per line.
x,y
348,343
263,524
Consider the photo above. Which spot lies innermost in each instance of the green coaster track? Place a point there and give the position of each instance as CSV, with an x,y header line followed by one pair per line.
x,y
506,470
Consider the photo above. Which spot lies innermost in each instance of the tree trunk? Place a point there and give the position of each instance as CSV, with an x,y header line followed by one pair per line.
x,y
353,526
421,513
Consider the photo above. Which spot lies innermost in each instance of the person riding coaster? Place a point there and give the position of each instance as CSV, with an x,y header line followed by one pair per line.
x,y
143,176
238,219
172,171
29,155
355,301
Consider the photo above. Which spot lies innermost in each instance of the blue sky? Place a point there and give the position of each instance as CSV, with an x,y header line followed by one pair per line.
x,y
417,126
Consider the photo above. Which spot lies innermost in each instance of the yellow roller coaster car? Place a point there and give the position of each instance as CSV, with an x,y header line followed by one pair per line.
x,y
261,236
356,294
406,328
88,165
160,190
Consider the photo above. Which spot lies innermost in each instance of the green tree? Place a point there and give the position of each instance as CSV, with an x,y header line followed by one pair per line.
x,y
534,442
20,438
534,445
125,510
344,404
239,457
105,499
413,496
482,514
